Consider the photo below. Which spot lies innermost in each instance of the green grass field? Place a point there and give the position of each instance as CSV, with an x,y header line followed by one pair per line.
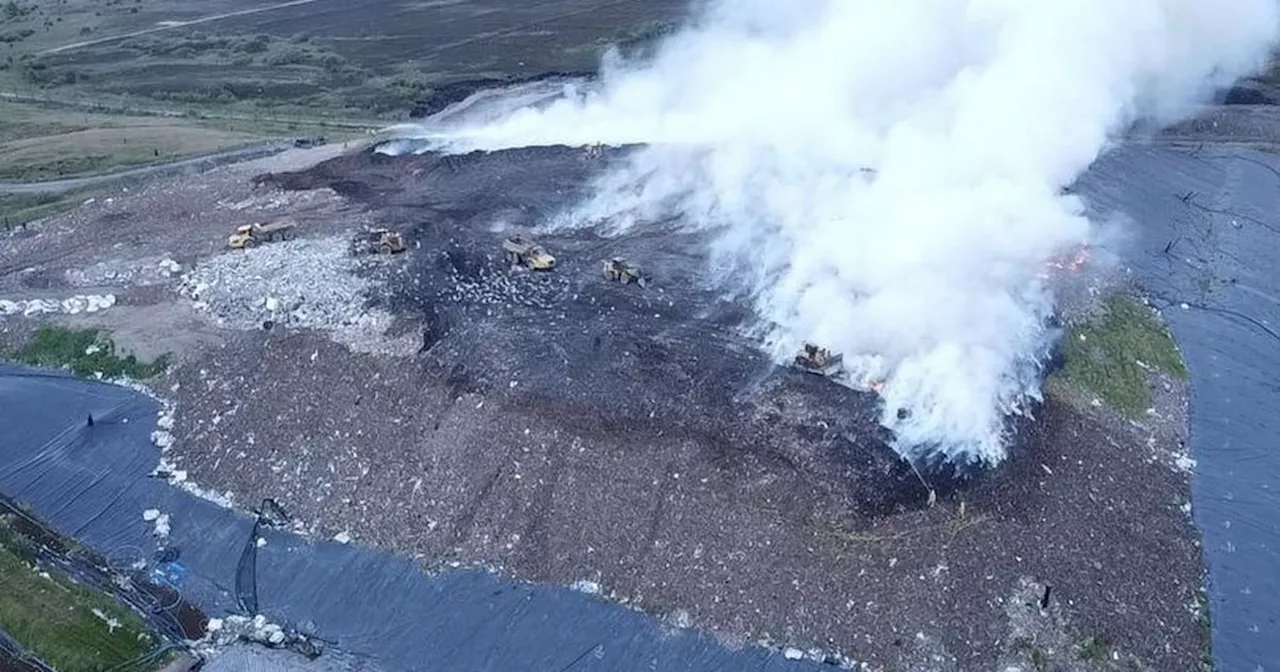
x,y
44,142
19,209
86,352
70,627
93,86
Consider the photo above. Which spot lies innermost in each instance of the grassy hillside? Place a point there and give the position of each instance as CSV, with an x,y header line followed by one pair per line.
x,y
88,86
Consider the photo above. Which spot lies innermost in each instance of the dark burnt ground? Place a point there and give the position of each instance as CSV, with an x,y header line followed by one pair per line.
x,y
564,428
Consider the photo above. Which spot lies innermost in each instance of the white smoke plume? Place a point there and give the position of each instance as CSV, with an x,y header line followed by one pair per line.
x,y
888,173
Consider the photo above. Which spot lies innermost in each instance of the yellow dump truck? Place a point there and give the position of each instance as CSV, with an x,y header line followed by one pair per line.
x,y
252,234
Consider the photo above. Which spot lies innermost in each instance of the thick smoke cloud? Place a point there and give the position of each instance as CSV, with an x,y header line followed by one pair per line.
x,y
884,178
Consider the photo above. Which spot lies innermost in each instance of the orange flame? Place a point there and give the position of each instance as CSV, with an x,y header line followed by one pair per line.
x,y
1067,264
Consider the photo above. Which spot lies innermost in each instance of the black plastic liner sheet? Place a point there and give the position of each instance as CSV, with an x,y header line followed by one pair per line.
x,y
1206,246
91,481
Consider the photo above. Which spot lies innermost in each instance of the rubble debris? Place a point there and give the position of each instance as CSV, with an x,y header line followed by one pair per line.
x,y
145,271
583,586
159,521
299,284
222,632
164,439
80,303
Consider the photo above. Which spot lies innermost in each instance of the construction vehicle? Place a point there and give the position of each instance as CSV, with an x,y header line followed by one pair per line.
x,y
817,360
309,142
523,252
251,234
618,270
377,241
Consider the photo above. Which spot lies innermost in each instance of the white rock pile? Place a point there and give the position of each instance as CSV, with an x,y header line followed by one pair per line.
x,y
80,303
305,283
232,628
148,271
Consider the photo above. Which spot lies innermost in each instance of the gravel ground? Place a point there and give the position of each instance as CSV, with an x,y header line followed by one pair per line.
x,y
563,429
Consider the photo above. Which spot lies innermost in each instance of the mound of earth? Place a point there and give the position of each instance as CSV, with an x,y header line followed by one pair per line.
x,y
561,427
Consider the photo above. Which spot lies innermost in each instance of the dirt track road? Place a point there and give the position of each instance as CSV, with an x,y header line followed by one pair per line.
x,y
195,163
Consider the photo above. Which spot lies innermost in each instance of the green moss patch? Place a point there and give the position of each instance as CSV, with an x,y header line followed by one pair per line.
x,y
1115,355
86,352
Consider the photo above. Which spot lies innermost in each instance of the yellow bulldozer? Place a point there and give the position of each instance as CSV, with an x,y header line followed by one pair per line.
x,y
523,252
618,270
377,241
818,360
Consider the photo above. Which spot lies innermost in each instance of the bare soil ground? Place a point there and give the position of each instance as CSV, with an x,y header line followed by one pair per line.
x,y
560,428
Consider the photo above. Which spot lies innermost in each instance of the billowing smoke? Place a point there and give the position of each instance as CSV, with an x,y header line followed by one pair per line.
x,y
883,178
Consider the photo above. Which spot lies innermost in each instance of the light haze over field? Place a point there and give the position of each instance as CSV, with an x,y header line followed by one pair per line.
x,y
883,177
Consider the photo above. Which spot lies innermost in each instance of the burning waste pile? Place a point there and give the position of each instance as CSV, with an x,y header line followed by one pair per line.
x,y
886,178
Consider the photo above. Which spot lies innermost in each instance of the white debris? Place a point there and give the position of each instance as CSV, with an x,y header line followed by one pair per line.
x,y
680,619
112,623
93,349
162,439
88,303
260,542
161,526
308,283
224,631
588,587
342,537
150,515
1185,463
791,653
153,270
